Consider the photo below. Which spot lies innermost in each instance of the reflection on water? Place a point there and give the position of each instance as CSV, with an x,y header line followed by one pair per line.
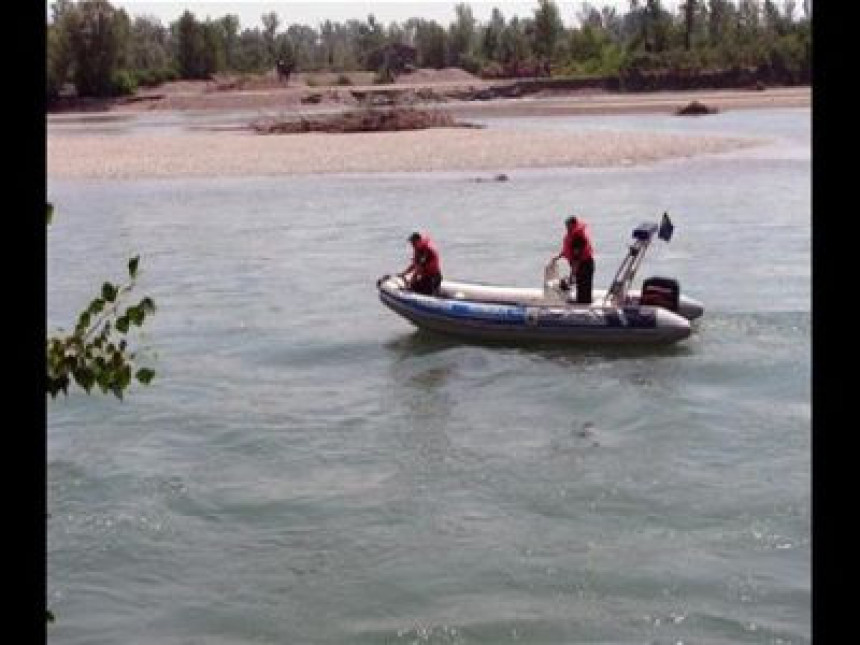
x,y
421,342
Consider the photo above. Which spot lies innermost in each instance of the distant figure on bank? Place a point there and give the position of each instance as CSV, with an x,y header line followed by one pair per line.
x,y
425,268
284,70
579,252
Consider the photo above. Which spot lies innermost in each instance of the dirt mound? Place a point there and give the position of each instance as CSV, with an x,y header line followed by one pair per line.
x,y
230,82
323,79
181,87
366,120
437,76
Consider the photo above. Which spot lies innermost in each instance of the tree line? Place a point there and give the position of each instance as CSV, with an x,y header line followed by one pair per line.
x,y
102,51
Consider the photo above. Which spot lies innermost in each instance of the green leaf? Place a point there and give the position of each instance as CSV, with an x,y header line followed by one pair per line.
x,y
103,379
84,377
148,305
132,266
109,292
136,314
50,210
122,323
96,306
125,376
84,321
49,616
145,375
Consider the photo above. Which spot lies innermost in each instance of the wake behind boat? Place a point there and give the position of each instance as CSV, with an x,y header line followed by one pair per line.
x,y
657,313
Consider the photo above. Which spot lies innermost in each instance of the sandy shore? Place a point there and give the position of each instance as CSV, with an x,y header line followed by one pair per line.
x,y
596,103
196,95
221,152
214,154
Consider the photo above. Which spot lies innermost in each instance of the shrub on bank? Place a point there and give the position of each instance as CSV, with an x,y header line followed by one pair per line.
x,y
154,77
123,83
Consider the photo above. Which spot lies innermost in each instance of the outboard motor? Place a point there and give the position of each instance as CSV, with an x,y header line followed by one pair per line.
x,y
661,292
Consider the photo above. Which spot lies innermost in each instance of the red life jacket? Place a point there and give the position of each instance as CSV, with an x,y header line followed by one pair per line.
x,y
586,252
427,257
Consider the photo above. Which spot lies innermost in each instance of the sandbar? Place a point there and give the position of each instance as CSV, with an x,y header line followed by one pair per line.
x,y
243,153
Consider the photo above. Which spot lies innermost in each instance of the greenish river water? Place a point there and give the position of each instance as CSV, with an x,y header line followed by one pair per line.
x,y
307,468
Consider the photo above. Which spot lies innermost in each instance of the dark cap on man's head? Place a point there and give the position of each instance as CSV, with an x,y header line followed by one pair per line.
x,y
415,237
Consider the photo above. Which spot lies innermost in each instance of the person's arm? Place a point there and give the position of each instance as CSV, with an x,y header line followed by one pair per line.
x,y
407,270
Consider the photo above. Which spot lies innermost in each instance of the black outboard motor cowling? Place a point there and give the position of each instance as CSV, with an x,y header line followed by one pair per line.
x,y
661,292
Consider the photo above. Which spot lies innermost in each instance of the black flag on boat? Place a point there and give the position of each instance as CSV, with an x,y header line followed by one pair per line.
x,y
666,228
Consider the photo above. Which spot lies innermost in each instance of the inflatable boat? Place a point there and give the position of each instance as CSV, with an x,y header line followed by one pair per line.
x,y
656,313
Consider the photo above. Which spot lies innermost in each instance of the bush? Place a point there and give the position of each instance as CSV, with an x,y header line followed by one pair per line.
x,y
147,77
640,62
343,79
154,77
611,60
470,63
123,83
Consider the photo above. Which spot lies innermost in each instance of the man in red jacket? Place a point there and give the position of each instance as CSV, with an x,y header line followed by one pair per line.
x,y
426,267
579,252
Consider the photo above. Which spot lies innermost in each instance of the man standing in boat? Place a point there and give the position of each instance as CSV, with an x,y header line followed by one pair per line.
x,y
579,252
426,268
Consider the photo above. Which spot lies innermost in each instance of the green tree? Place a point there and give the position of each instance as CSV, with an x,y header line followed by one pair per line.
x,y
515,47
461,34
190,46
370,40
328,40
491,38
548,29
230,29
214,47
251,54
658,23
271,22
587,43
149,46
96,31
303,45
773,21
59,52
689,8
430,42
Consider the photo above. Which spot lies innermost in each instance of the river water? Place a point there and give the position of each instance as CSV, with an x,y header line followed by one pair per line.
x,y
307,468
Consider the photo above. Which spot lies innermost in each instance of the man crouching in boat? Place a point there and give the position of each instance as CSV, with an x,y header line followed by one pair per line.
x,y
578,251
426,268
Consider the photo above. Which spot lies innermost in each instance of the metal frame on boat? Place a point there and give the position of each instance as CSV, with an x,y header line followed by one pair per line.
x,y
657,313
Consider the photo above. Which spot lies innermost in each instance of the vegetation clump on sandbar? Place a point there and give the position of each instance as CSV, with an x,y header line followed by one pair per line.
x,y
362,120
695,108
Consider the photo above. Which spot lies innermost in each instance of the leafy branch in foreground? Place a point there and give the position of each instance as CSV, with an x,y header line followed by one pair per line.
x,y
96,353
